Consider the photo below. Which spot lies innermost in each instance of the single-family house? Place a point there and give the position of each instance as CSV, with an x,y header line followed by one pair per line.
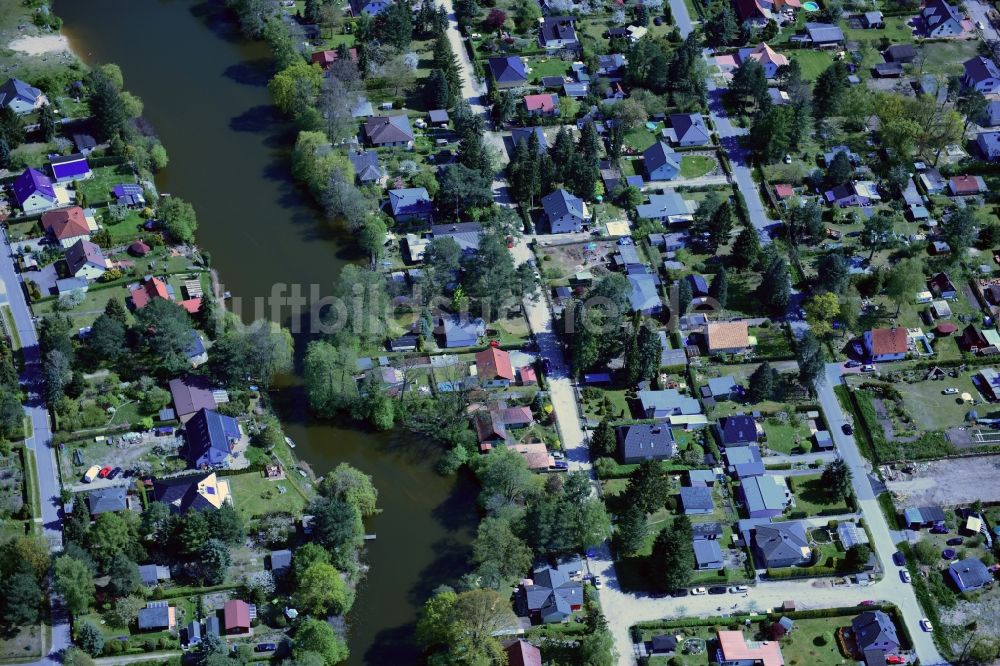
x,y
669,208
211,439
872,20
722,388
68,168
696,500
157,616
736,650
902,53
707,554
739,430
702,477
20,97
523,653
765,496
389,131
139,248
493,368
33,191
824,35
107,500
875,630
942,286
152,575
67,225
644,295
989,144
236,616
459,331
923,516
552,593
193,633
969,574
664,403
659,162
85,259
565,212
72,284
782,544
191,395
987,380
689,129
369,7
886,344
992,113
367,169
490,428
744,461
542,104
411,203
129,194
940,19
980,341
465,234
726,337
982,74
556,33
151,288
645,442
84,143
611,66
507,72
965,185
520,134
854,193
768,58
327,57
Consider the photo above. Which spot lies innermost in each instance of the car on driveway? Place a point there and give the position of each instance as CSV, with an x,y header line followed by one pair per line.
x,y
926,625
738,589
699,590
904,576
848,430
598,583
868,367
852,364
955,541
939,529
105,471
895,659
266,647
113,474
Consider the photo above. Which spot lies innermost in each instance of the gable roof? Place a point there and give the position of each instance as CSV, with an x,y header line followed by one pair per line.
x,y
750,9
466,234
707,551
888,341
16,89
733,646
66,223
557,28
970,573
151,287
824,32
738,429
191,394
106,500
874,626
523,653
210,436
83,253
899,52
156,615
388,129
69,166
668,204
765,493
508,69
641,441
561,203
967,184
366,166
658,155
410,201
745,460
519,134
542,102
33,181
236,614
765,55
553,592
643,296
192,492
668,400
936,12
493,362
980,69
727,335
697,498
690,127
784,540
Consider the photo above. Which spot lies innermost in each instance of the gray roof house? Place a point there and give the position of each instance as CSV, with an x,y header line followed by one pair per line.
x,y
367,169
194,633
152,574
465,234
461,332
904,53
157,615
665,403
940,19
781,544
669,207
85,259
107,500
765,496
744,461
410,203
970,574
982,74
281,560
558,32
519,134
389,131
738,430
507,71
697,500
875,630
824,34
689,129
989,144
659,162
707,554
565,212
644,297
645,442
722,388
553,593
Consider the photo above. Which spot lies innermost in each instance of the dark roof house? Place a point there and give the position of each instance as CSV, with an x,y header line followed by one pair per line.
x,y
781,544
389,131
507,71
211,437
875,630
970,574
107,500
645,442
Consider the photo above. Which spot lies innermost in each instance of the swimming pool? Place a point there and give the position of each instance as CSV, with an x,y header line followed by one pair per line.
x,y
810,6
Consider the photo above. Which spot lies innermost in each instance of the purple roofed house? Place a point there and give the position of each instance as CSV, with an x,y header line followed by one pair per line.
x,y
70,168
33,191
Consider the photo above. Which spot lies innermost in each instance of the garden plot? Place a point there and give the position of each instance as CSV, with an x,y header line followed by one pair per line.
x,y
561,262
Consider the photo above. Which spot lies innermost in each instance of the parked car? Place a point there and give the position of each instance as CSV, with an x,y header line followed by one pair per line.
x,y
698,591
852,364
737,589
266,647
899,559
91,474
955,541
939,529
867,602
115,472
848,430
894,659
717,589
950,391
598,583
904,575
926,625
105,471
868,367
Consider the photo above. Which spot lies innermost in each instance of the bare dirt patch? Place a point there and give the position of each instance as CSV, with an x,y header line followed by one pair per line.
x,y
562,261
947,482
40,44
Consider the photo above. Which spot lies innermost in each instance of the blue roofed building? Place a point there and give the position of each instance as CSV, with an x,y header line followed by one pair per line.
x,y
660,162
723,388
989,144
707,554
875,630
765,496
519,134
20,97
211,439
507,72
696,500
367,169
744,461
644,296
669,208
824,34
33,191
411,203
699,285
576,90
665,403
196,353
68,168
553,593
369,7
558,32
107,500
689,129
565,212
739,430
645,442
940,19
970,574
128,194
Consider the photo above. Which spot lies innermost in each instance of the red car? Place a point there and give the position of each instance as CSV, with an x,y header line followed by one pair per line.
x,y
105,471
867,602
895,659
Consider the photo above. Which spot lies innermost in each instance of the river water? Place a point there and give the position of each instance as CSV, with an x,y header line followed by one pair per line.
x,y
204,89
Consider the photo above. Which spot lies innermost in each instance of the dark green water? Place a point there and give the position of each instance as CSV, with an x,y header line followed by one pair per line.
x,y
204,89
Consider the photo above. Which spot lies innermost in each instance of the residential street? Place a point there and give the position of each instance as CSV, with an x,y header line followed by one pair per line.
x,y
978,12
40,441
471,89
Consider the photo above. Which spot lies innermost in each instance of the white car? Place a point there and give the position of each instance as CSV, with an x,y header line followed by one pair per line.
x,y
950,391
904,575
699,590
926,625
868,367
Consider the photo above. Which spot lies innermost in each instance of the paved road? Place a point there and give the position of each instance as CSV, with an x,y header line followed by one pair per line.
x,y
891,587
471,89
40,442
978,13
682,19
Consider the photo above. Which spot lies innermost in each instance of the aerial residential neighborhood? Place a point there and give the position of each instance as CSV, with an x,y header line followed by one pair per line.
x,y
522,331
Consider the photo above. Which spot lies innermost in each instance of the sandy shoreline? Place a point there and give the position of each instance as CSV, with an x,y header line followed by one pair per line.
x,y
40,45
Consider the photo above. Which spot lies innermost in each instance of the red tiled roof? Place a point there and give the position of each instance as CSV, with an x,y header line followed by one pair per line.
x,y
964,184
528,375
192,305
888,341
540,102
139,248
326,58
733,646
523,653
236,614
492,363
66,223
147,291
783,190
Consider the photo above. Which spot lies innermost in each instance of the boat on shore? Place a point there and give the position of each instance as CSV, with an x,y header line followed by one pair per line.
x,y
288,440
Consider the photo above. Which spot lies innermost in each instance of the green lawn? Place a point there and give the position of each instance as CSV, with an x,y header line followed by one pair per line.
x,y
946,57
813,497
254,495
930,408
547,67
640,138
812,63
91,307
895,30
806,645
696,166
96,190
784,437
596,405
127,230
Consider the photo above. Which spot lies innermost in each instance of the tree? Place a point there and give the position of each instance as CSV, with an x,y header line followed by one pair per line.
x,y
395,24
179,218
164,328
329,377
840,170
500,556
90,638
124,575
649,487
319,637
74,580
107,339
721,29
20,597
353,486
876,233
974,106
746,248
821,311
105,101
505,478
75,657
959,228
213,561
762,383
836,478
479,617
771,134
775,289
48,123
4,153
437,92
463,188
57,370
495,20
337,526
904,279
321,591
684,296
434,626
748,89
829,90
630,530
126,610
672,559
642,355
227,525
811,360
294,88
719,289
602,441
805,223
832,273
112,535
